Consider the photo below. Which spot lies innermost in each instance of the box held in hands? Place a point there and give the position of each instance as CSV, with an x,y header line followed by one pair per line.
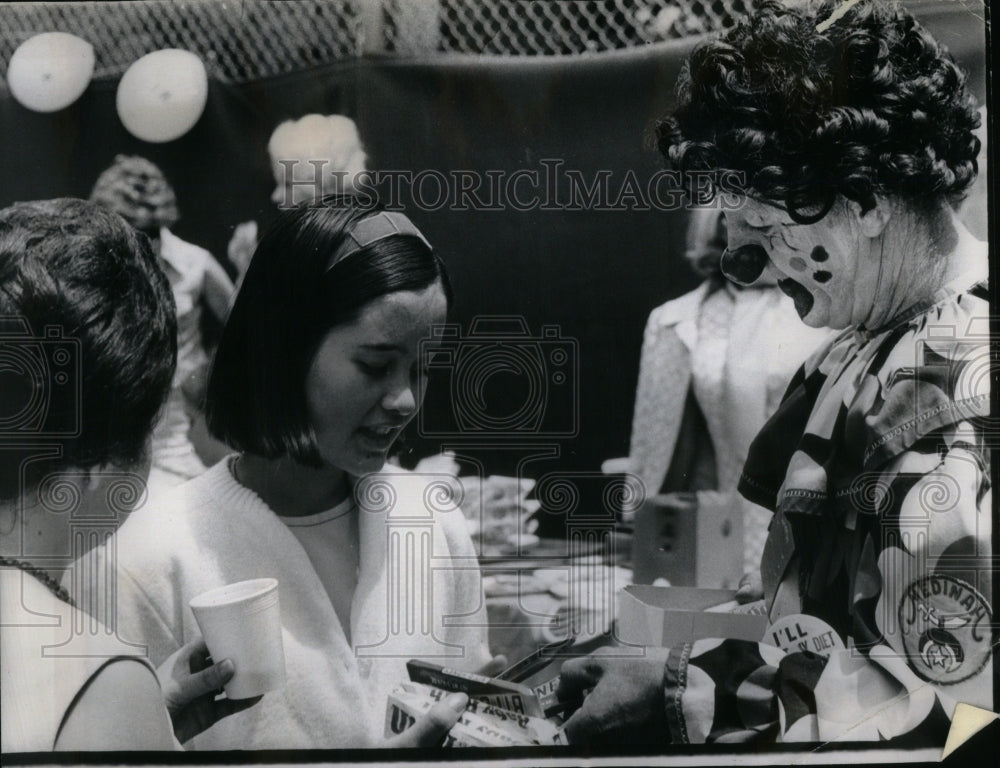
x,y
499,693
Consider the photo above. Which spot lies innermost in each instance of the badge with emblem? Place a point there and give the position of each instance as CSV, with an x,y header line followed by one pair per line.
x,y
946,628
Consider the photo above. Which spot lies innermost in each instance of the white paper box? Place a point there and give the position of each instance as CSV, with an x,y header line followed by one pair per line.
x,y
666,616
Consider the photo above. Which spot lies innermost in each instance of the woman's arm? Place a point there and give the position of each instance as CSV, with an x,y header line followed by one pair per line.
x,y
120,708
188,683
218,289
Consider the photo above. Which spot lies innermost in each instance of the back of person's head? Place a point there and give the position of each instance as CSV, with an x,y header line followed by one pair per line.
x,y
313,156
290,299
88,341
137,190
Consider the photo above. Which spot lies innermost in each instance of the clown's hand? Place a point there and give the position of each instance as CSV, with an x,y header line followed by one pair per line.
x,y
618,699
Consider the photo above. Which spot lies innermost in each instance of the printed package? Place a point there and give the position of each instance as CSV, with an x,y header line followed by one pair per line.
x,y
500,693
481,725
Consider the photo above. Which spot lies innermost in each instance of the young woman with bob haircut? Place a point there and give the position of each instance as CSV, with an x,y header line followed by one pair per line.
x,y
317,373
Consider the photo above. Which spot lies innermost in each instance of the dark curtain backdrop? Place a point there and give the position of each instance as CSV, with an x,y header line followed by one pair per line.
x,y
594,274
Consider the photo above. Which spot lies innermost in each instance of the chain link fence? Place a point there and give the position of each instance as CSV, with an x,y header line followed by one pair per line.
x,y
547,27
244,40
237,41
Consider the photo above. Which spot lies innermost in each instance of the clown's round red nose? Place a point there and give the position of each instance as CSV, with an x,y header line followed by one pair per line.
x,y
744,265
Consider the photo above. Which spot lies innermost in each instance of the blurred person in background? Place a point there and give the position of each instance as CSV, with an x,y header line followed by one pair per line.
x,y
137,190
853,133
312,156
715,363
85,305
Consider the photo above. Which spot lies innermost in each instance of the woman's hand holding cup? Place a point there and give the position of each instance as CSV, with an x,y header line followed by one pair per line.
x,y
190,683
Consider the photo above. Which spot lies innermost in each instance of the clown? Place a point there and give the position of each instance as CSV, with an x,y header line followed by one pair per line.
x,y
853,134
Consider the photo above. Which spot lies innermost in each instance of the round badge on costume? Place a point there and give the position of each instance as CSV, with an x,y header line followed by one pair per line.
x,y
162,95
50,71
946,628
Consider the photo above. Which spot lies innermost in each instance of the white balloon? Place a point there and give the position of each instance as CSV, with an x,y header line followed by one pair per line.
x,y
162,95
50,71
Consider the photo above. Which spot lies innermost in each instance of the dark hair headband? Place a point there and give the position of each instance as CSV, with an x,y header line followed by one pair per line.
x,y
378,227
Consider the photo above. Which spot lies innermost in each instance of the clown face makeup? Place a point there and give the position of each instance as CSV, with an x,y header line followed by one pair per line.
x,y
817,265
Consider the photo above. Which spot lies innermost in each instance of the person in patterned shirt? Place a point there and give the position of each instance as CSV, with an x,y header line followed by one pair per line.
x,y
851,134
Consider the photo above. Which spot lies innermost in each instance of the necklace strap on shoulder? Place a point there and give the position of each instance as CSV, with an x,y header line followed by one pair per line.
x,y
38,573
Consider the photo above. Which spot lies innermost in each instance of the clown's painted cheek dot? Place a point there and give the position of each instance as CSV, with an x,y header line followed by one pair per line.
x,y
819,254
799,265
802,299
822,276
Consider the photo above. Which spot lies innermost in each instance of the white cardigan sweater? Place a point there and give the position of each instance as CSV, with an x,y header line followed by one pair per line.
x,y
213,531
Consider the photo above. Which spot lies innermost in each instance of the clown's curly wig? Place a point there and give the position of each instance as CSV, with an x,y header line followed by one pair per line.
x,y
868,104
